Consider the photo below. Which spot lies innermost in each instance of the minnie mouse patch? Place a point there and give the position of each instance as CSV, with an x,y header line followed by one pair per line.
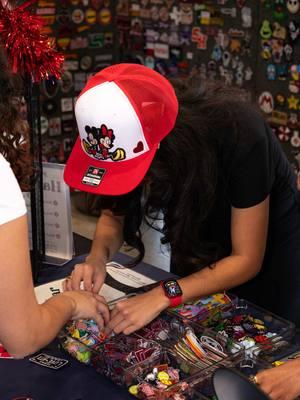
x,y
99,142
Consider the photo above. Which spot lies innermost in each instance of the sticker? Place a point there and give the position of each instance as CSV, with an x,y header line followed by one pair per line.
x,y
293,122
54,126
236,33
266,30
187,16
86,63
293,102
226,58
235,45
293,6
104,16
66,104
279,100
279,31
49,107
246,17
77,16
288,51
50,87
90,16
66,83
93,176
44,124
71,65
199,38
161,50
47,361
63,43
295,139
149,62
96,40
46,11
216,53
266,102
283,133
230,11
164,14
175,15
278,118
271,72
294,30
79,42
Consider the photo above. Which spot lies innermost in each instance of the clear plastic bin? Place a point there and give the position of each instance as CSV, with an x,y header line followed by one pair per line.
x,y
113,357
161,377
170,332
259,330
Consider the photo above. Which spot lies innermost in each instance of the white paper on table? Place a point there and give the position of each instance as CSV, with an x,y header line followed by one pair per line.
x,y
117,271
127,276
45,292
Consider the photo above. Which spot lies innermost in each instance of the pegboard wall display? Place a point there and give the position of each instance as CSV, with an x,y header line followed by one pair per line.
x,y
84,31
254,45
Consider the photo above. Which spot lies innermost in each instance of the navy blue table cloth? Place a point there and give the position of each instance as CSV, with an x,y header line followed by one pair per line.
x,y
22,379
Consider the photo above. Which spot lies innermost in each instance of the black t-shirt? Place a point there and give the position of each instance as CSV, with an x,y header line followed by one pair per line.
x,y
251,166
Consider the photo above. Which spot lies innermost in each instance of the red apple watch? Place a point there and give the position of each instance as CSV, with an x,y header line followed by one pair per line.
x,y
172,291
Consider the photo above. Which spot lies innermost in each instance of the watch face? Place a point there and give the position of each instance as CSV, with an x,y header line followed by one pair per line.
x,y
172,288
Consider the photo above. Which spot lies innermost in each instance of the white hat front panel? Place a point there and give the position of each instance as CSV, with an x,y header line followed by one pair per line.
x,y
109,127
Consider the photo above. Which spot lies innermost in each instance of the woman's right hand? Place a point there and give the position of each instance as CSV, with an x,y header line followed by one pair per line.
x,y
90,273
87,305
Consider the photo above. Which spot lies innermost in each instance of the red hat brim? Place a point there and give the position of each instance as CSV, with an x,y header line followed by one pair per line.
x,y
120,177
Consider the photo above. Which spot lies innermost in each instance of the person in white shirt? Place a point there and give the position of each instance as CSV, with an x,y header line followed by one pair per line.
x,y
25,325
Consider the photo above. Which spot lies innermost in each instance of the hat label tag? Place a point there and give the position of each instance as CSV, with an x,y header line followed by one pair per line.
x,y
93,176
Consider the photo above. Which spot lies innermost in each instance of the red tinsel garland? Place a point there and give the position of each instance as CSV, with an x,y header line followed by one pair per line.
x,y
28,51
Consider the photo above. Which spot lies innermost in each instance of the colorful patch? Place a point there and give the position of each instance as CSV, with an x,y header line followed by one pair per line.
x,y
99,142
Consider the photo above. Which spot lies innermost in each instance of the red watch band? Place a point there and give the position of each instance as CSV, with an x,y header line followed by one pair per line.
x,y
174,301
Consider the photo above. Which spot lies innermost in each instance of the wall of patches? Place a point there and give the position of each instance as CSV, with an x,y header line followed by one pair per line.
x,y
254,45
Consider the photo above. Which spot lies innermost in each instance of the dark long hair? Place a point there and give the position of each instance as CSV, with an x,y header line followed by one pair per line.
x,y
182,180
14,130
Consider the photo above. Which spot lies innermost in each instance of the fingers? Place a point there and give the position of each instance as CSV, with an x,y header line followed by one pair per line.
x,y
99,320
77,276
104,311
86,278
121,327
98,282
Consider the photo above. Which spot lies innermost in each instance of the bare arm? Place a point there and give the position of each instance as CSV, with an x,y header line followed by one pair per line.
x,y
249,229
248,233
108,238
27,326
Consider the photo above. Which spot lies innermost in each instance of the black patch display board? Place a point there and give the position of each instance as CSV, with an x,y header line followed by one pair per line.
x,y
254,45
85,32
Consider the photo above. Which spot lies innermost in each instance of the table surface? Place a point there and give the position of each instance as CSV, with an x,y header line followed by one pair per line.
x,y
75,381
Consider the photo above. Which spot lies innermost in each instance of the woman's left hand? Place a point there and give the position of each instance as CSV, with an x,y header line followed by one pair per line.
x,y
281,383
132,314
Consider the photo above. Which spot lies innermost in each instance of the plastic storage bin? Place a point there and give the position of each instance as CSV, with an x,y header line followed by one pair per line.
x,y
162,377
251,326
114,356
178,336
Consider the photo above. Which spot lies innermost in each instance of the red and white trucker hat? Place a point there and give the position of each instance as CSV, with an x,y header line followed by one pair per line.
x,y
122,114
